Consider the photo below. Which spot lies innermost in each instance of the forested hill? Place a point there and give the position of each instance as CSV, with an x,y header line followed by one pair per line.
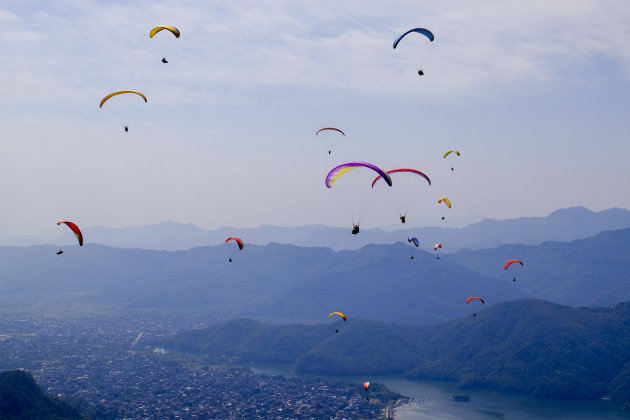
x,y
528,346
22,398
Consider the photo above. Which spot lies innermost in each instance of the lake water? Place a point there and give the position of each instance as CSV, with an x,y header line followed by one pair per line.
x,y
431,401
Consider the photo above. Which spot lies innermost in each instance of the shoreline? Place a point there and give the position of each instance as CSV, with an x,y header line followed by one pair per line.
x,y
390,409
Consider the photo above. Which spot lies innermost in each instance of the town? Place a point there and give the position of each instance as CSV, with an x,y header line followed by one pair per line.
x,y
111,364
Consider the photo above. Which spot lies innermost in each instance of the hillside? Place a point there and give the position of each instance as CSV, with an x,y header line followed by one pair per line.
x,y
22,398
594,271
527,346
286,283
282,282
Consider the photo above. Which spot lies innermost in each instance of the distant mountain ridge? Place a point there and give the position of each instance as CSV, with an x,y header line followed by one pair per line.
x,y
561,225
287,283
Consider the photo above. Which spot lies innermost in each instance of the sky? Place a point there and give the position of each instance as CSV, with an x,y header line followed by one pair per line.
x,y
535,96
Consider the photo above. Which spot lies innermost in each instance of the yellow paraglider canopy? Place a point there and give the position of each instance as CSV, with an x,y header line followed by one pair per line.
x,y
157,29
451,151
120,92
446,200
338,313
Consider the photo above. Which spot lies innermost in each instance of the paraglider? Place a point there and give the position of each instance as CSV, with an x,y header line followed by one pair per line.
x,y
407,188
435,248
509,263
473,298
446,201
330,129
238,241
422,31
344,168
119,93
449,152
415,242
74,228
171,29
342,315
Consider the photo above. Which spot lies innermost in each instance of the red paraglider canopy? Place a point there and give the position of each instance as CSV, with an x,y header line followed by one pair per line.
x,y
74,229
474,297
239,241
330,128
510,262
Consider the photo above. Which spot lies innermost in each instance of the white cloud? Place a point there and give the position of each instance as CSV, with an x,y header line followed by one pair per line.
x,y
311,45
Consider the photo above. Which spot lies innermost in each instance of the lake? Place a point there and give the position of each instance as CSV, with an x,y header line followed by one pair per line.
x,y
431,401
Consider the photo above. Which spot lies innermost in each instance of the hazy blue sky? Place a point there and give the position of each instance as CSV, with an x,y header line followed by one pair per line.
x,y
536,96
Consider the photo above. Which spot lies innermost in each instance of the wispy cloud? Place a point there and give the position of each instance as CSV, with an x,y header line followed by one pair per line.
x,y
328,45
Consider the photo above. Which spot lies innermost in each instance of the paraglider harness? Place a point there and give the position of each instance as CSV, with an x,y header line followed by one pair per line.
x,y
402,219
355,229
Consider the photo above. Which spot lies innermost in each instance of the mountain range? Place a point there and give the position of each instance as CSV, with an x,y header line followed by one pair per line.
x,y
561,225
287,283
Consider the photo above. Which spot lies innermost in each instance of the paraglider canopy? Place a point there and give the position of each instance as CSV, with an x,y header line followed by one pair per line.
x,y
338,313
436,246
330,128
239,241
393,171
171,29
119,93
445,200
510,262
422,31
414,241
339,170
366,385
451,151
75,229
473,298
